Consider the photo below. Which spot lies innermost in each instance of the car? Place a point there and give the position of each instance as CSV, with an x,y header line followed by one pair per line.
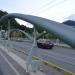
x,y
45,44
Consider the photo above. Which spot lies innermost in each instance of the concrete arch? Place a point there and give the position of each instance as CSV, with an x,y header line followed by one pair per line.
x,y
63,32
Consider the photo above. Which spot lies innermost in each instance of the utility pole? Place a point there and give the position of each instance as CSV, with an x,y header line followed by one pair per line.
x,y
8,42
1,27
8,29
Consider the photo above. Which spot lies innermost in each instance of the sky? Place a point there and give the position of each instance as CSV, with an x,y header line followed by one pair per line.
x,y
56,10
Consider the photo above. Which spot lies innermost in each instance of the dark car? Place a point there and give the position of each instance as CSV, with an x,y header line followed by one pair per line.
x,y
45,44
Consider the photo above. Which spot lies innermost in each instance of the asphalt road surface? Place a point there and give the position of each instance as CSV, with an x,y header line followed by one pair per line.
x,y
8,66
63,57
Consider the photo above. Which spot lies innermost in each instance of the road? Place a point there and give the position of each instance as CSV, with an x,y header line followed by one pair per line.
x,y
12,64
63,57
8,66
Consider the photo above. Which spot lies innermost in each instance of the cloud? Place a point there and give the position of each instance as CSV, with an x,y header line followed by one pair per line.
x,y
71,17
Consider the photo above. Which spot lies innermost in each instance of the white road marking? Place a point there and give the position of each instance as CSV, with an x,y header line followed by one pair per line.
x,y
21,62
17,73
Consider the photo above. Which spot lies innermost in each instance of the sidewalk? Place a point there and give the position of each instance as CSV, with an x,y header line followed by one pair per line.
x,y
62,45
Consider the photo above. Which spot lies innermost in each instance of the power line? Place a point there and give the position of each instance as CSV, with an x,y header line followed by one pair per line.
x,y
49,2
46,8
50,7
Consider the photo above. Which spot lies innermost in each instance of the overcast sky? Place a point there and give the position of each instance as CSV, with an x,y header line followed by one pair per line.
x,y
57,10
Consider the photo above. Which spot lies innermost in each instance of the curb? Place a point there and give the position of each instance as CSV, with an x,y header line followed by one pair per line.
x,y
54,66
62,45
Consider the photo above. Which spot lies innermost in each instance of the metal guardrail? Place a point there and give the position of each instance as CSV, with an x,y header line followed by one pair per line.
x,y
66,72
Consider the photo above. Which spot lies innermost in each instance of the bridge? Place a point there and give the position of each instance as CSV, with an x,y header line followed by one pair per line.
x,y
24,58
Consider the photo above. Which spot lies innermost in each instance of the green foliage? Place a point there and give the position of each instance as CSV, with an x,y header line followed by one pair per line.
x,y
4,25
40,30
2,13
50,36
13,24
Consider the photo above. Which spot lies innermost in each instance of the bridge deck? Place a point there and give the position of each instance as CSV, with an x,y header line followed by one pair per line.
x,y
20,58
15,65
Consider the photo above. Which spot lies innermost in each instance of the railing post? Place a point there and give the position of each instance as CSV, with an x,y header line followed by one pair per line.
x,y
8,44
30,62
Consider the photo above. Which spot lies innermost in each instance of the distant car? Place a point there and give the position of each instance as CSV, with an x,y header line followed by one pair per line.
x,y
45,44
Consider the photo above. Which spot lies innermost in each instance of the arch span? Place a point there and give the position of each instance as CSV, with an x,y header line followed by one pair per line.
x,y
63,32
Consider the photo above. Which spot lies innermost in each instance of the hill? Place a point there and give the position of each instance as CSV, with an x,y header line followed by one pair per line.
x,y
69,23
